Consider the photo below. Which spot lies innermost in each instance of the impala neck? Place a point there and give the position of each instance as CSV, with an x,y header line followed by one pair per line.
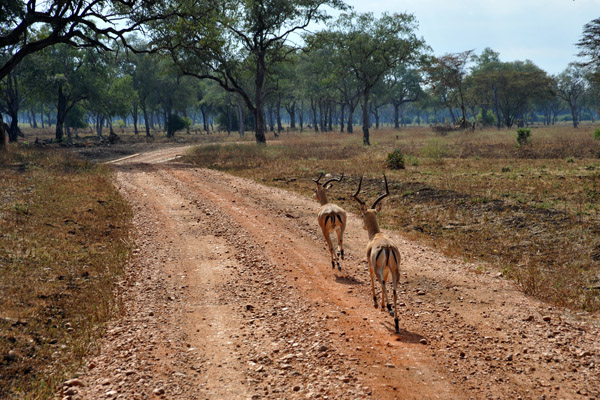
x,y
370,223
322,195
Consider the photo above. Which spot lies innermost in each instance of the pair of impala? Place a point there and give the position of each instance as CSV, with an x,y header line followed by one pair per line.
x,y
382,254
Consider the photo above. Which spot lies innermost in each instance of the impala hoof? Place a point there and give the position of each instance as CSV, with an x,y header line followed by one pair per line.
x,y
396,325
339,267
333,265
342,254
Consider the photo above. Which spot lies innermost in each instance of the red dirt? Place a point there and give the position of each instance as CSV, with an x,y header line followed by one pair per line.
x,y
231,295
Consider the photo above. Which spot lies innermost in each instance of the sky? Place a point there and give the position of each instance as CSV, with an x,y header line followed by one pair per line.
x,y
543,31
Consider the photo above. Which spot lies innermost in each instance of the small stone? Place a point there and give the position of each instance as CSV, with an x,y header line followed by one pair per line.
x,y
546,318
528,319
390,365
420,292
111,393
249,307
74,382
509,357
462,354
323,348
71,391
158,391
423,341
585,354
296,388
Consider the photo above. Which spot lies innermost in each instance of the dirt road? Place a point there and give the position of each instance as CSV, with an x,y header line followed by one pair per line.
x,y
230,295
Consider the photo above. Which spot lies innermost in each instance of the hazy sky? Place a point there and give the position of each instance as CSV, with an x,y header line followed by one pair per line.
x,y
543,31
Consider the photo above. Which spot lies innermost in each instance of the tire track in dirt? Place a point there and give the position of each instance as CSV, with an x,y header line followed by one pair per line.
x,y
231,295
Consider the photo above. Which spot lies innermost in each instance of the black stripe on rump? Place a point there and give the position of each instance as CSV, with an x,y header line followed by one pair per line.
x,y
394,254
378,254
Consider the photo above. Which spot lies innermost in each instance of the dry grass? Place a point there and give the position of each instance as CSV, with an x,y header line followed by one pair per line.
x,y
531,212
63,242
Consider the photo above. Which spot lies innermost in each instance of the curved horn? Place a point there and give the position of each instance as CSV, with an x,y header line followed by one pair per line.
x,y
318,179
355,195
387,192
334,180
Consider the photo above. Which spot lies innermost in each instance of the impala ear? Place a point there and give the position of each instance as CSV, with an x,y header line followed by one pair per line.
x,y
329,186
378,208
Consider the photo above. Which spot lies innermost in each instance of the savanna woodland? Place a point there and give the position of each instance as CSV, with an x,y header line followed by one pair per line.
x,y
194,267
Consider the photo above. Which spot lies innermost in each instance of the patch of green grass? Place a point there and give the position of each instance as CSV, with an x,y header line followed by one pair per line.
x,y
63,243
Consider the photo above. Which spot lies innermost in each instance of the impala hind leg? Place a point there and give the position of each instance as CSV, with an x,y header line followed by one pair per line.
x,y
385,296
373,285
396,324
330,245
340,236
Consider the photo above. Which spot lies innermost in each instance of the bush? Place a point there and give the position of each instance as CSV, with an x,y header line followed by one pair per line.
x,y
176,123
597,134
523,136
395,160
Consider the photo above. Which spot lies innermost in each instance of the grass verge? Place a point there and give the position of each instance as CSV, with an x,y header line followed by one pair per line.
x,y
63,242
529,211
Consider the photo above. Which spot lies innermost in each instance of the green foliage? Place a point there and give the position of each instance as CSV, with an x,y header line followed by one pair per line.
x,y
435,149
76,117
489,119
395,159
177,123
597,134
411,160
523,136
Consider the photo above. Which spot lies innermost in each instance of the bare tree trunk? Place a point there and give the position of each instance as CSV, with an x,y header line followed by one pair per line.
x,y
365,114
350,128
61,111
313,107
34,124
241,117
3,135
342,109
278,116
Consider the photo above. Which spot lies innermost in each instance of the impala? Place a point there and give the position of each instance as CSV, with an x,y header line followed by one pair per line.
x,y
382,254
331,218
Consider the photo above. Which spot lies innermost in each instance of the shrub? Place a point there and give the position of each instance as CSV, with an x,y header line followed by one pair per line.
x,y
523,136
176,123
435,149
395,160
597,134
412,160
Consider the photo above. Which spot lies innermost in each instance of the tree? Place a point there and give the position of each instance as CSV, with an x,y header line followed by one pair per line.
x,y
79,23
518,85
224,41
447,75
481,90
590,43
404,86
370,48
145,76
571,85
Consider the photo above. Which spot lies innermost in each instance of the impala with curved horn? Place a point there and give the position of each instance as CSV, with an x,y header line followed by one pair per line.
x,y
331,218
382,254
